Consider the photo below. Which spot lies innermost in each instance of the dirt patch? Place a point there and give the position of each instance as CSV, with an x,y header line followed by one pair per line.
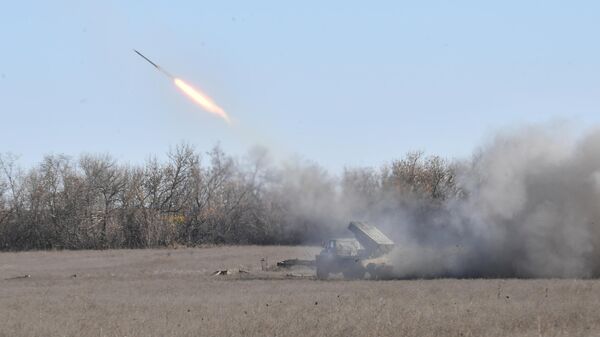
x,y
172,293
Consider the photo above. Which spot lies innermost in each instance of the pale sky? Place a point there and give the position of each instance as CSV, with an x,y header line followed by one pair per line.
x,y
337,82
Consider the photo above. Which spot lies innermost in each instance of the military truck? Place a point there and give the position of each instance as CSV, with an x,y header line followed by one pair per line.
x,y
354,258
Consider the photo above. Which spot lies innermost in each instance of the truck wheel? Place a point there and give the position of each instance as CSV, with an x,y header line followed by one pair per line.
x,y
322,273
322,270
356,274
372,271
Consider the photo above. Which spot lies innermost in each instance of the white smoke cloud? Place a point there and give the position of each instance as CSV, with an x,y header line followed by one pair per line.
x,y
532,209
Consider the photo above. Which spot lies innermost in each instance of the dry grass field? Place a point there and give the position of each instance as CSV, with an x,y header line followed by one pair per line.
x,y
170,292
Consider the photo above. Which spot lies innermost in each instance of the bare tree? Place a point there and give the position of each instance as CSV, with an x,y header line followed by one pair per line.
x,y
94,202
104,180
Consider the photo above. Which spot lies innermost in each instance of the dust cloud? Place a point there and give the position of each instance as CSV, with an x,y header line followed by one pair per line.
x,y
529,207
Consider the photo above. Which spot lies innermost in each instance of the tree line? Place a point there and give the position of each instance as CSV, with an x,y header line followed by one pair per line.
x,y
193,198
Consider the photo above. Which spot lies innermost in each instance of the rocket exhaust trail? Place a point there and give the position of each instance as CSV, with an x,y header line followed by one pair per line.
x,y
154,64
194,94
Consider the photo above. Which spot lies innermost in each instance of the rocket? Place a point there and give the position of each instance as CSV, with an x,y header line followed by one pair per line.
x,y
155,65
194,94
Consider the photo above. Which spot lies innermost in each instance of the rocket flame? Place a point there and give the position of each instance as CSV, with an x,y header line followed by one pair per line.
x,y
202,99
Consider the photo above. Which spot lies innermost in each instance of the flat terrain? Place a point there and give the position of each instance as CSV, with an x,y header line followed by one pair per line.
x,y
171,292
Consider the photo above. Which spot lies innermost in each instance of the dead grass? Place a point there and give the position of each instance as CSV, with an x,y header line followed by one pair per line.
x,y
171,293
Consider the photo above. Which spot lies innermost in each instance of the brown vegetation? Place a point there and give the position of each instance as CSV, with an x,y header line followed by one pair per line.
x,y
171,292
97,203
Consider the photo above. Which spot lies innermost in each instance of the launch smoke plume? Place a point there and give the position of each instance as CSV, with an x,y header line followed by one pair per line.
x,y
530,208
527,204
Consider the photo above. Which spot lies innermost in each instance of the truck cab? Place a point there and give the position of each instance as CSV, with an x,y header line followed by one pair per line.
x,y
354,257
343,247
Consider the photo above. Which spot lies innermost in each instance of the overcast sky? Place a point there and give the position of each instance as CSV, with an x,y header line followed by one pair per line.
x,y
341,83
